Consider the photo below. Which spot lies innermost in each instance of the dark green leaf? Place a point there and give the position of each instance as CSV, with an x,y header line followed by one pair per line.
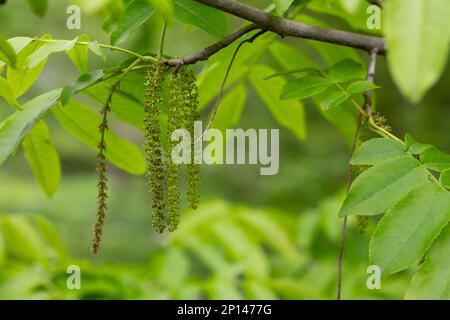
x,y
39,7
199,15
304,88
346,70
361,86
329,100
84,81
136,13
376,151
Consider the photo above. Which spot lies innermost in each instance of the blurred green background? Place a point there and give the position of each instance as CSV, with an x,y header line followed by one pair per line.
x,y
254,237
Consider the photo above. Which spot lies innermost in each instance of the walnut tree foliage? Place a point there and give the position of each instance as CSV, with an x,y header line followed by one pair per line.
x,y
401,184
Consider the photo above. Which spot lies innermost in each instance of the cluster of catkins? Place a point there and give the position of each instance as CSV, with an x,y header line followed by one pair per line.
x,y
164,176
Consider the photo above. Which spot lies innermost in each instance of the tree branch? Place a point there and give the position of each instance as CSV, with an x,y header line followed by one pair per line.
x,y
211,50
285,27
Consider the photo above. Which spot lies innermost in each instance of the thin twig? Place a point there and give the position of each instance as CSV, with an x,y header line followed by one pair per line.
x,y
368,111
227,73
206,53
379,3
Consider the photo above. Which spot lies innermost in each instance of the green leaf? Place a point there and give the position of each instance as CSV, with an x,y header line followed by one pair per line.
x,y
7,93
361,86
163,6
95,48
382,186
329,100
435,159
282,6
289,114
418,39
14,128
304,87
22,240
17,43
43,158
136,13
376,151
432,281
407,231
23,78
230,109
346,70
413,146
47,49
39,7
444,179
79,54
124,106
83,123
7,53
199,15
84,81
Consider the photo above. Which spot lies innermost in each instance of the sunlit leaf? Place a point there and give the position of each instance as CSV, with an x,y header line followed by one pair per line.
x,y
43,158
79,54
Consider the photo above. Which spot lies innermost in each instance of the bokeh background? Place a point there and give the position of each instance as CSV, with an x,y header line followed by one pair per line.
x,y
253,237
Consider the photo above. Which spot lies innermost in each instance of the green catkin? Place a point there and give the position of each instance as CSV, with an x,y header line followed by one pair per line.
x,y
363,222
102,184
152,146
193,169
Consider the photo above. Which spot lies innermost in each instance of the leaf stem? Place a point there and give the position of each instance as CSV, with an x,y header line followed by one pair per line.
x,y
161,44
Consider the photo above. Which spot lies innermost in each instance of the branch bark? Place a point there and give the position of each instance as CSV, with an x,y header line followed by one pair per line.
x,y
286,27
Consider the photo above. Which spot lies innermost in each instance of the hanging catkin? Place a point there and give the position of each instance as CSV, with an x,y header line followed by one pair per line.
x,y
152,146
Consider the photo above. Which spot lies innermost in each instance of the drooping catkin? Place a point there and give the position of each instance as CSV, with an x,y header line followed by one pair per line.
x,y
102,184
152,146
193,169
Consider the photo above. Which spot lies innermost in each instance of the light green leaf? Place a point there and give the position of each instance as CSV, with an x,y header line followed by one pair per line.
x,y
43,158
329,100
199,15
413,146
407,231
376,151
79,54
39,7
7,53
84,81
289,114
418,37
95,48
378,189
346,70
164,6
21,239
7,93
230,109
361,86
47,49
136,13
17,43
304,87
432,281
83,123
23,78
444,179
14,128
435,159
282,6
